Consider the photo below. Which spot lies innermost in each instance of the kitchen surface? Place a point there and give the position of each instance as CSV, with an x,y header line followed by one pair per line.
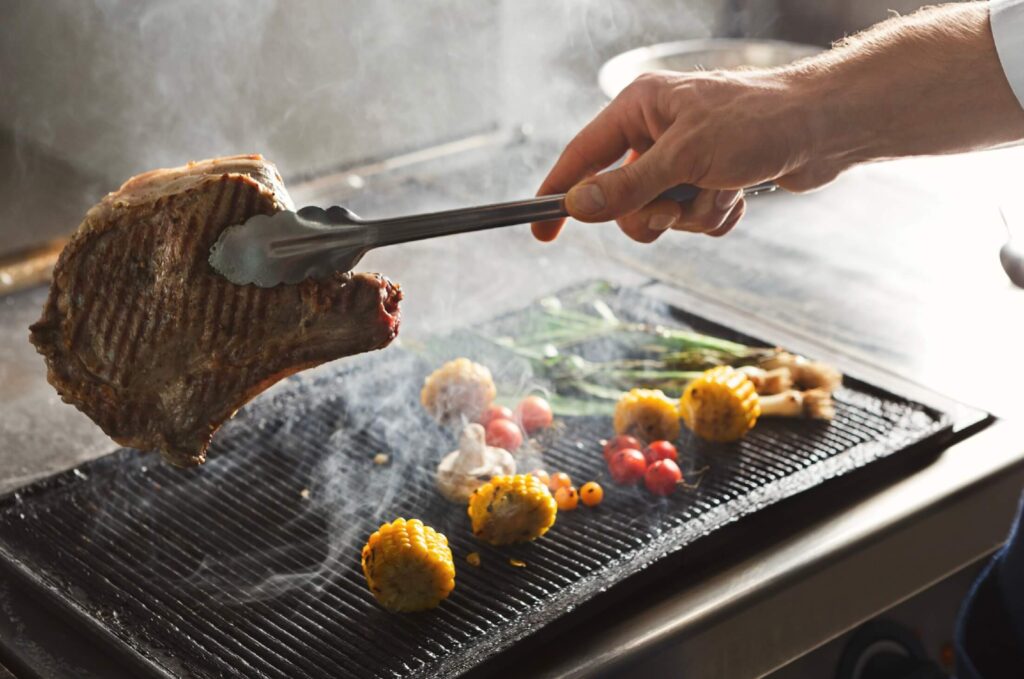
x,y
892,273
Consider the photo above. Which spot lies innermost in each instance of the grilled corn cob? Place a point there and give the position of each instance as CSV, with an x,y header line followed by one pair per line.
x,y
647,414
510,509
408,566
721,405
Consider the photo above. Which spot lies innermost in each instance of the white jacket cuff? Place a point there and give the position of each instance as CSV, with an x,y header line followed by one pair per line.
x,y
1007,19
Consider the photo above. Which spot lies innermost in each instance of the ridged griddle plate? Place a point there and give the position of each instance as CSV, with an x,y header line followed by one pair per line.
x,y
249,565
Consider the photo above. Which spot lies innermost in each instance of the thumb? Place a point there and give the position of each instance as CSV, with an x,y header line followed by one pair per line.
x,y
622,191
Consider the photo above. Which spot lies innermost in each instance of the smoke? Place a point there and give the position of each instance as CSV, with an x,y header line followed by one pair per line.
x,y
117,87
553,51
375,450
372,446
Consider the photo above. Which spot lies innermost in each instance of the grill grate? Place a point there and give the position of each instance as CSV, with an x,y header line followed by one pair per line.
x,y
249,565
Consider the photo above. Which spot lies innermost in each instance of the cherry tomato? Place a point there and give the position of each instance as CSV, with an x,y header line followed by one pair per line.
x,y
495,412
662,477
567,498
544,477
534,414
591,493
627,466
660,450
504,434
618,443
559,480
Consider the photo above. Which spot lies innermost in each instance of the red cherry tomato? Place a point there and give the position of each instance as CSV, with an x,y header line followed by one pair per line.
x,y
617,443
495,412
627,466
534,414
662,477
660,450
504,434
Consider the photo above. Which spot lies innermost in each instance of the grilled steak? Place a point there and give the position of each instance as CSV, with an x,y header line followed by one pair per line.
x,y
144,337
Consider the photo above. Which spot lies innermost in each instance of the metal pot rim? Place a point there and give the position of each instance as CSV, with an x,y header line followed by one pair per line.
x,y
610,80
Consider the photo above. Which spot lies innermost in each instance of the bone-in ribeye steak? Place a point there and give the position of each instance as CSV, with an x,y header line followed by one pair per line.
x,y
144,337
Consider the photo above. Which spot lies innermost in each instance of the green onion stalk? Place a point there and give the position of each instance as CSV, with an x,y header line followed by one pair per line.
x,y
553,335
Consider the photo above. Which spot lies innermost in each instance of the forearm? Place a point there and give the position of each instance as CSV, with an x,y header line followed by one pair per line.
x,y
925,84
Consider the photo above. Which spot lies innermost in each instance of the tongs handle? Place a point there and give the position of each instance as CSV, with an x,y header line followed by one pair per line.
x,y
419,227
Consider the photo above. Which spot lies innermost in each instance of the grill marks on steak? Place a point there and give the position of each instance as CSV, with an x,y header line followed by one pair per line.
x,y
143,336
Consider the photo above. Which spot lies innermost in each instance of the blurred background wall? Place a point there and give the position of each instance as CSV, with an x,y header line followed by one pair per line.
x,y
97,90
119,86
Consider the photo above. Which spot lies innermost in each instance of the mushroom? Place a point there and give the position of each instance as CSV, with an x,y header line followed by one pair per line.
x,y
806,374
815,404
773,381
470,466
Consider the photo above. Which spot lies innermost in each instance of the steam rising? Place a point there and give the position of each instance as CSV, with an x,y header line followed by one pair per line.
x,y
117,87
120,87
369,412
343,416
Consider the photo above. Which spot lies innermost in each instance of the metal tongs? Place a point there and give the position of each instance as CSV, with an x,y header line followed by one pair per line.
x,y
289,247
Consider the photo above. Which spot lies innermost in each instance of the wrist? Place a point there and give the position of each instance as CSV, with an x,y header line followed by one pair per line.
x,y
814,126
841,130
925,84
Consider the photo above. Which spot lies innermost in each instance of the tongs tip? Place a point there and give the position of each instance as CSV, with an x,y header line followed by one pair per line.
x,y
268,250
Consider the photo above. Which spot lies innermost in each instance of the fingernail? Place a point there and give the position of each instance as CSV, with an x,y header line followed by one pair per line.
x,y
726,199
661,223
586,199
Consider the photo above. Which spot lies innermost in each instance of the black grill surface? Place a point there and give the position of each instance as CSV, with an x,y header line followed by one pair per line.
x,y
249,565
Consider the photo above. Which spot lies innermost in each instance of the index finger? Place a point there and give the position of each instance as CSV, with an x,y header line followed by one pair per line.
x,y
595,147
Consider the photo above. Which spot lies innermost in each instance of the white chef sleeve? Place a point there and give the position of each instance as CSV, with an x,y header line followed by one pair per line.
x,y
1007,19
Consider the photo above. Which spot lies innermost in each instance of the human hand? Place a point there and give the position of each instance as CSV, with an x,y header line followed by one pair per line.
x,y
926,83
719,130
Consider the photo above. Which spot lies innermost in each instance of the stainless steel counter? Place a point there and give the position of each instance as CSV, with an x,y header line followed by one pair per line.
x,y
888,267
